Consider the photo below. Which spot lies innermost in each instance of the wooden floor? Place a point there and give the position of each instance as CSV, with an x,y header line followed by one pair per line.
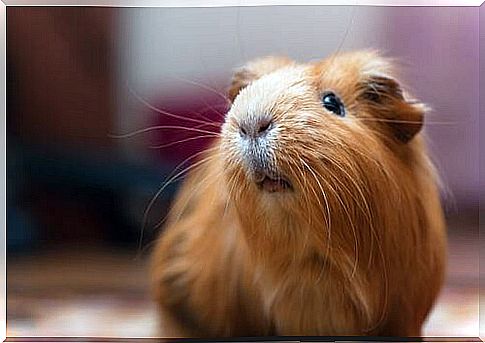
x,y
99,292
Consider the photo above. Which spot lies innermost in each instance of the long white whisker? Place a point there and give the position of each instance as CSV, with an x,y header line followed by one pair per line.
x,y
162,127
195,83
398,121
156,109
180,141
170,179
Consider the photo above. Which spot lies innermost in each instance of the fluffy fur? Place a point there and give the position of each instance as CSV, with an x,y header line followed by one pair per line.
x,y
357,247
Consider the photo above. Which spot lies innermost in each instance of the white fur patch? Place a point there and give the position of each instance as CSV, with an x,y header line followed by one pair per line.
x,y
260,97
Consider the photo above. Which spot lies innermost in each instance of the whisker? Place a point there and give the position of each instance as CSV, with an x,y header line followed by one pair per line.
x,y
352,225
143,249
321,189
179,141
195,83
329,224
170,179
229,193
200,113
150,106
342,184
375,238
337,52
181,175
213,107
306,201
162,127
204,182
406,121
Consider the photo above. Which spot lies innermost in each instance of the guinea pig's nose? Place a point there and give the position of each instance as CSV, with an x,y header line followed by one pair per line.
x,y
255,128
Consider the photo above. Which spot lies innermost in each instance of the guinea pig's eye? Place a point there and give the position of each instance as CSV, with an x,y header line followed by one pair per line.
x,y
333,103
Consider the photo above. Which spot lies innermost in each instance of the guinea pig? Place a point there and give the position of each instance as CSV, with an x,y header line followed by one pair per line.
x,y
316,211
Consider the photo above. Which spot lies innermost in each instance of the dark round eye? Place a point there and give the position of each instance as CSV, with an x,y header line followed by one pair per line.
x,y
333,103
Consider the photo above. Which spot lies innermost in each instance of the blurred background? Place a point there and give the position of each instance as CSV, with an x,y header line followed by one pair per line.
x,y
85,84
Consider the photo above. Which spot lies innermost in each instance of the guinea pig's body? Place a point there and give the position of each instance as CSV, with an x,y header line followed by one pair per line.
x,y
316,211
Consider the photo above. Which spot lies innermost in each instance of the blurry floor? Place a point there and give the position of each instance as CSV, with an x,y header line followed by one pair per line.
x,y
88,292
95,292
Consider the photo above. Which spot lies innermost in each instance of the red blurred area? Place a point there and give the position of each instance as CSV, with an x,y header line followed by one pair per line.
x,y
191,125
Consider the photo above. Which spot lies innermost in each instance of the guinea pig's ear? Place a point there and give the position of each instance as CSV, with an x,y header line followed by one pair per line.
x,y
403,116
254,70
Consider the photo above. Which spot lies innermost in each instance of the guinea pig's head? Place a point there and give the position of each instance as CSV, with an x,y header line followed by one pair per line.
x,y
314,139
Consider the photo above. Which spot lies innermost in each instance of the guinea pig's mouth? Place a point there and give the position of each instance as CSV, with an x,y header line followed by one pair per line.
x,y
273,184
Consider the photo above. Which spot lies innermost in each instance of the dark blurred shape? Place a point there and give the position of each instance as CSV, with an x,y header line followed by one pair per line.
x,y
60,89
66,183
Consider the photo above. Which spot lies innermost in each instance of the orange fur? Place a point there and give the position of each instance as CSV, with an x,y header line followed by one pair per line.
x,y
357,248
